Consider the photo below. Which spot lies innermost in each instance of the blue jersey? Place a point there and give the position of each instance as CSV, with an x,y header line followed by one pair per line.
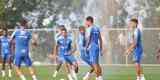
x,y
5,45
138,41
22,38
81,41
94,36
64,45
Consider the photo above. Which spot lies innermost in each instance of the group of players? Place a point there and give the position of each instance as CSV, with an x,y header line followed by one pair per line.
x,y
89,42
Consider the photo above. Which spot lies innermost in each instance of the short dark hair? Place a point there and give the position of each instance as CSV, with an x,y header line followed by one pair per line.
x,y
134,20
81,27
90,18
23,21
64,29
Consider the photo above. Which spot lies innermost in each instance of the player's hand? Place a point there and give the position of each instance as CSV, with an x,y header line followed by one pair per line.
x,y
51,56
128,51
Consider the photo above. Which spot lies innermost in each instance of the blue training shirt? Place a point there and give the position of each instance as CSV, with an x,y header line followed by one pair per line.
x,y
94,36
64,45
5,45
22,38
138,41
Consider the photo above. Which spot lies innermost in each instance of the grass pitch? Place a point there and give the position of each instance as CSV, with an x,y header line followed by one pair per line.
x,y
109,73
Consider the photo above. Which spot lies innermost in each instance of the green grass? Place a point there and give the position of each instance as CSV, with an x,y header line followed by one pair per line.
x,y
109,73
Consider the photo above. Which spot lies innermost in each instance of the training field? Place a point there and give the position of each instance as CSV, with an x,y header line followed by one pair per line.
x,y
109,73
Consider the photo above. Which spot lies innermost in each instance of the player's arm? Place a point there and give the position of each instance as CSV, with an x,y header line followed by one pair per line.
x,y
132,45
0,46
54,52
33,39
100,41
73,48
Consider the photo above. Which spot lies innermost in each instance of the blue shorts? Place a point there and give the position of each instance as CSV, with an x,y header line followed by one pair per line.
x,y
60,59
6,57
94,55
70,59
18,59
137,55
85,56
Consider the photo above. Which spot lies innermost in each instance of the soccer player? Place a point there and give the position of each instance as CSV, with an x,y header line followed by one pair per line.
x,y
94,45
65,54
83,52
136,47
5,52
22,38
58,35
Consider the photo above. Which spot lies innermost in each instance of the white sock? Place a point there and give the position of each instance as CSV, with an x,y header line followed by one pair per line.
x,y
3,73
142,77
22,77
55,74
97,78
34,77
70,77
10,73
87,75
74,75
100,78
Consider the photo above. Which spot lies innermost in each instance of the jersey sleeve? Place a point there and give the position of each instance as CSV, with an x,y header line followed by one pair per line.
x,y
30,35
13,35
135,36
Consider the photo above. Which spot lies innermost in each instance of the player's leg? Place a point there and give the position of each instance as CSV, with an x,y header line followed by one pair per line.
x,y
94,57
28,63
73,66
140,75
4,57
17,62
85,57
67,70
59,61
10,66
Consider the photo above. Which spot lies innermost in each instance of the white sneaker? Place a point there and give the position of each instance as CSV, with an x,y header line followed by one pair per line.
x,y
143,78
87,76
70,77
10,73
138,78
55,74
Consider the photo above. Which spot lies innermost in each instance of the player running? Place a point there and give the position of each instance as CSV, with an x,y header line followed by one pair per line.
x,y
5,52
136,47
22,38
82,49
94,46
58,35
65,56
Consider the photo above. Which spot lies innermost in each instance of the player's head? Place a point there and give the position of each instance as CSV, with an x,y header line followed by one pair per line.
x,y
133,23
89,21
82,29
23,23
60,28
64,32
5,31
